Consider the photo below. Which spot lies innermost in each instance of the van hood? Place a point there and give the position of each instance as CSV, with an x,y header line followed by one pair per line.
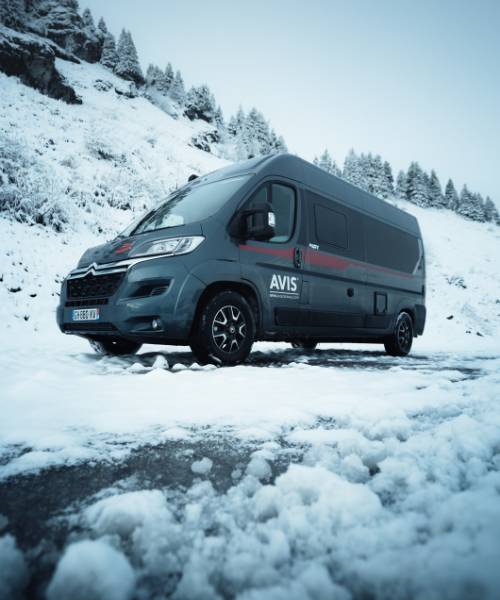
x,y
122,248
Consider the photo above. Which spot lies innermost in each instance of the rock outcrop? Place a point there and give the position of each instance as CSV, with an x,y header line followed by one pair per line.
x,y
59,21
33,61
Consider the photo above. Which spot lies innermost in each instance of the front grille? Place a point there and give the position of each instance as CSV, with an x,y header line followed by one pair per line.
x,y
89,327
94,286
89,302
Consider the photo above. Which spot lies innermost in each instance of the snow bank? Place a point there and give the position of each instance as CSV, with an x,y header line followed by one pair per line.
x,y
13,570
92,570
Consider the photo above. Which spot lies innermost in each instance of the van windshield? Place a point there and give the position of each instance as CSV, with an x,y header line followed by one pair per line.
x,y
188,205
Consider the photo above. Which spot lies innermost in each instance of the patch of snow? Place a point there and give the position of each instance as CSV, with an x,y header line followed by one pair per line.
x,y
13,569
92,569
202,467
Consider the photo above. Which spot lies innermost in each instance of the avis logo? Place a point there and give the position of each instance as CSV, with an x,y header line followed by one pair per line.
x,y
284,283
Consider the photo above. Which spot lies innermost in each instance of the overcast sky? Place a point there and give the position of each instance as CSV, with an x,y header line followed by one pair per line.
x,y
409,80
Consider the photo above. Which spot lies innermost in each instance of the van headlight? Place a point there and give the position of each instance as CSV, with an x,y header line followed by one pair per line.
x,y
168,246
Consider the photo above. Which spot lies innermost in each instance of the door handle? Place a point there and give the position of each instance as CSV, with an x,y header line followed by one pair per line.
x,y
297,258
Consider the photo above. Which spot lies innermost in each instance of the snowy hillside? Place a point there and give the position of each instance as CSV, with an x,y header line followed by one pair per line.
x,y
91,167
346,473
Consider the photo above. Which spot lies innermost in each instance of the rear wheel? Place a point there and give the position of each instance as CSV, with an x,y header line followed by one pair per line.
x,y
308,345
400,341
225,330
114,347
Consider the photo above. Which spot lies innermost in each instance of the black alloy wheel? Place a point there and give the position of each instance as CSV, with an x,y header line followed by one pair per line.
x,y
225,330
399,343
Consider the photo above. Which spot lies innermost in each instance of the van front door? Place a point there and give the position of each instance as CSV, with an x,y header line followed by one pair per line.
x,y
275,266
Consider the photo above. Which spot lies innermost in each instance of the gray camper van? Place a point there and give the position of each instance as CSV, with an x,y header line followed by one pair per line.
x,y
272,248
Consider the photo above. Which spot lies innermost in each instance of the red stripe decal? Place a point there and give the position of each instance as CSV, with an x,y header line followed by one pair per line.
x,y
321,259
281,252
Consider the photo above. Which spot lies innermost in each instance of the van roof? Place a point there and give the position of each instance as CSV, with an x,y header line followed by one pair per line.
x,y
295,168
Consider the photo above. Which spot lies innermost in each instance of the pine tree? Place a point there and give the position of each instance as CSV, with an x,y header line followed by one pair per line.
x,y
12,13
451,200
490,211
128,63
200,104
109,57
470,205
169,76
401,186
177,91
326,162
101,26
219,120
374,175
155,78
353,170
436,198
417,185
281,147
388,181
88,20
258,134
237,122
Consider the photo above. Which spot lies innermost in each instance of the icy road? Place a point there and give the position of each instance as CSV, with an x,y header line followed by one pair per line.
x,y
342,473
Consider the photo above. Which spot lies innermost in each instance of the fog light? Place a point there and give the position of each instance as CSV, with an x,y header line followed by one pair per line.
x,y
156,324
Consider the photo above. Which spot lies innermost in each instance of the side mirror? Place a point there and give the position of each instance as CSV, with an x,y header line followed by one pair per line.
x,y
259,224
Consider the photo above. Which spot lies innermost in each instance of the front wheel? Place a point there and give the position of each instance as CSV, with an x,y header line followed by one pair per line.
x,y
401,339
225,330
114,347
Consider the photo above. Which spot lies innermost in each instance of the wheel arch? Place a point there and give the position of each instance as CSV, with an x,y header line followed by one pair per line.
x,y
246,289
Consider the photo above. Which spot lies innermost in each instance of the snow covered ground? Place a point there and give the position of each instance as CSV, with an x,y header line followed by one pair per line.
x,y
343,473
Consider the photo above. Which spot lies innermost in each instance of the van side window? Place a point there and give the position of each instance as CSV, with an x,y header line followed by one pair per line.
x,y
390,247
280,199
331,226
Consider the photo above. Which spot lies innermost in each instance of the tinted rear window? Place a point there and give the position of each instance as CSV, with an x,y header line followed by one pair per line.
x,y
331,226
390,247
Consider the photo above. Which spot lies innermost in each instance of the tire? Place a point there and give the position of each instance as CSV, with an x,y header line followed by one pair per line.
x,y
225,330
114,347
401,339
308,345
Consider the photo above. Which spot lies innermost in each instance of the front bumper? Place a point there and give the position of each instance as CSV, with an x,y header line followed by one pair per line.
x,y
159,290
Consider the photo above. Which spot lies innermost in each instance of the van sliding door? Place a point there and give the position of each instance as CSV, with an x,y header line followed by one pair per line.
x,y
335,268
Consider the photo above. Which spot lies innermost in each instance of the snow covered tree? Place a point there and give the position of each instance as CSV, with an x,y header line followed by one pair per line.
x,y
109,57
177,91
353,171
155,77
12,13
326,162
169,76
451,200
374,175
280,146
436,198
470,205
128,63
417,185
236,122
219,120
88,20
101,26
257,134
401,188
388,181
490,211
200,104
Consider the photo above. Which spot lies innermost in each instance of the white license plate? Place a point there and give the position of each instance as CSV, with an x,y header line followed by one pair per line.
x,y
86,314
